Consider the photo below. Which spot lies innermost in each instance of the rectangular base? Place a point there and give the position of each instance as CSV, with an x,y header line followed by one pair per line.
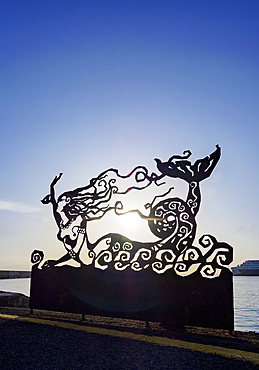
x,y
167,298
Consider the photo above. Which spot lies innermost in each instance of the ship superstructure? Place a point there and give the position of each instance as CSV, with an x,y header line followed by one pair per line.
x,y
247,268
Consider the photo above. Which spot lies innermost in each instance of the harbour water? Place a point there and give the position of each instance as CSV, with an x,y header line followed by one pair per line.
x,y
246,299
246,303
16,285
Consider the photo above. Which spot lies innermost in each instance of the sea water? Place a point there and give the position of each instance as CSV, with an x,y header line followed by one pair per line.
x,y
21,285
246,299
246,303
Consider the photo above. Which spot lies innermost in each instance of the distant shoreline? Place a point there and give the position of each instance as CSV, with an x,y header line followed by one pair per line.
x,y
10,274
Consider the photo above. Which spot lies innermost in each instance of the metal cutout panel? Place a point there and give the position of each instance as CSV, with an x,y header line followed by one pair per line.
x,y
169,280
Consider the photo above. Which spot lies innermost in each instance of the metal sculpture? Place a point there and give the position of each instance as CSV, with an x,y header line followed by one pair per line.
x,y
169,279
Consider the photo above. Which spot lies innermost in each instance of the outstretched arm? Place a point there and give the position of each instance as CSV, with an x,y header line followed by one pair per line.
x,y
50,198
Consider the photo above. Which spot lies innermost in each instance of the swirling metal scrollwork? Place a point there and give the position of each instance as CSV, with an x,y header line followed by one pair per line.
x,y
210,264
171,220
37,257
209,271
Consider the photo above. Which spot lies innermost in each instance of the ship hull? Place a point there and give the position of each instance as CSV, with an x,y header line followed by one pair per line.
x,y
246,272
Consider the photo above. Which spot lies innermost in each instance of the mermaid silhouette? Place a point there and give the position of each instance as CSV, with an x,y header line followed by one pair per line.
x,y
171,220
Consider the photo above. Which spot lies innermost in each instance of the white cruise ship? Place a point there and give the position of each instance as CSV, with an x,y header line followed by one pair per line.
x,y
247,268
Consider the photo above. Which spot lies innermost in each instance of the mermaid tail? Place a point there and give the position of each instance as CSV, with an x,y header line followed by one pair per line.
x,y
183,168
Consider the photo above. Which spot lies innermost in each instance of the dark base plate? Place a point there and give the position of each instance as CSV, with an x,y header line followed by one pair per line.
x,y
167,298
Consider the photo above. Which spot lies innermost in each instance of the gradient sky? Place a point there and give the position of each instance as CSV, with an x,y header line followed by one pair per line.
x,y
88,85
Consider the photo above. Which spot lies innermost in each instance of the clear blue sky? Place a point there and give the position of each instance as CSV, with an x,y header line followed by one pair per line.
x,y
86,85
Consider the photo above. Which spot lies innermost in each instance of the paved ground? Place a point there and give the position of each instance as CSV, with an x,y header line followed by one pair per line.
x,y
61,341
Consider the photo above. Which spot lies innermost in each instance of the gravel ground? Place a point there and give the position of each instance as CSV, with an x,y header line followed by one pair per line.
x,y
32,346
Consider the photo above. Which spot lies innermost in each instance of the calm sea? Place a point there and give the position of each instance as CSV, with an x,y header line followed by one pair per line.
x,y
246,303
246,299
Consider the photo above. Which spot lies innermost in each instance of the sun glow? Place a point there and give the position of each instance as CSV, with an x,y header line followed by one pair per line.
x,y
130,220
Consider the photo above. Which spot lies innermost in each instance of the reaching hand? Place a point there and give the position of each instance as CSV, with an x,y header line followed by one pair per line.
x,y
49,264
50,198
46,199
56,179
